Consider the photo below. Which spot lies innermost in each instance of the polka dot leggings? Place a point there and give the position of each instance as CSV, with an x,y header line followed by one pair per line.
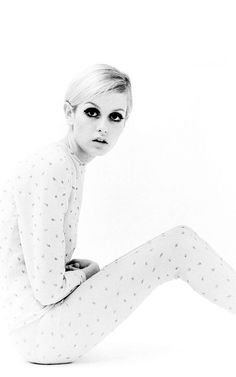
x,y
95,308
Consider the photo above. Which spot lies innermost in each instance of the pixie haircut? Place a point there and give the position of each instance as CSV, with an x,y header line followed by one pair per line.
x,y
95,80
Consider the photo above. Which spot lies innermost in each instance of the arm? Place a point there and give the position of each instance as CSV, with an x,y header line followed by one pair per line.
x,y
41,196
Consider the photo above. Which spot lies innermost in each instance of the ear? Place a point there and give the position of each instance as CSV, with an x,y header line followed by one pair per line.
x,y
69,113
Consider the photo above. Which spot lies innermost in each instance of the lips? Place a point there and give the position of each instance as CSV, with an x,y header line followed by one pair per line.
x,y
99,140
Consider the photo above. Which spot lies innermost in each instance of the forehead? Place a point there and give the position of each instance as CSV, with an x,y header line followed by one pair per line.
x,y
110,101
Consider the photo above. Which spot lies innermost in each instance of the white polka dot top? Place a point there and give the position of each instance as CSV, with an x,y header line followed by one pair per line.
x,y
39,211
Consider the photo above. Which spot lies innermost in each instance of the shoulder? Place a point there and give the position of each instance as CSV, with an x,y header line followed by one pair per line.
x,y
47,163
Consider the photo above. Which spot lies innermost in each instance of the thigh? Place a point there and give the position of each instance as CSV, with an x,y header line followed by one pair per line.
x,y
107,298
101,303
36,342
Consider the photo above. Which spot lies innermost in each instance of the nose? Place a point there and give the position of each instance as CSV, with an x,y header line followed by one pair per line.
x,y
102,126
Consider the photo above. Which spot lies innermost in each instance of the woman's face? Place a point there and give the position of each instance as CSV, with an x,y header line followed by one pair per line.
x,y
104,117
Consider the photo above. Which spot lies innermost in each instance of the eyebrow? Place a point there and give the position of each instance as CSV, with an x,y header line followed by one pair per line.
x,y
92,103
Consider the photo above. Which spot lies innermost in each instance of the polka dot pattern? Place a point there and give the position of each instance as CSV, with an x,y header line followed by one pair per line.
x,y
96,307
39,212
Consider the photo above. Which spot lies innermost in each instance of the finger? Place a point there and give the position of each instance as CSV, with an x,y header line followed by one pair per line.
x,y
72,261
75,260
85,262
72,268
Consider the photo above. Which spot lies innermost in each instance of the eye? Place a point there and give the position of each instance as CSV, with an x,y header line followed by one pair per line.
x,y
91,110
115,115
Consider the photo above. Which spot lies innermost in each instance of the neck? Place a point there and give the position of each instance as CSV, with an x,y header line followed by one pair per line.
x,y
79,152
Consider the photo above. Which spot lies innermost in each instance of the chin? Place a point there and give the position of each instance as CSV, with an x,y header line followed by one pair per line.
x,y
100,153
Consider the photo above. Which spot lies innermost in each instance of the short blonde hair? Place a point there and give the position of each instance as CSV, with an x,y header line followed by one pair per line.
x,y
98,79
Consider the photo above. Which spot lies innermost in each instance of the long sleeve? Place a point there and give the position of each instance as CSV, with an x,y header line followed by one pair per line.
x,y
42,191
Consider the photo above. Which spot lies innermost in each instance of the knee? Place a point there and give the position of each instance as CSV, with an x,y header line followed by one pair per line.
x,y
182,237
185,231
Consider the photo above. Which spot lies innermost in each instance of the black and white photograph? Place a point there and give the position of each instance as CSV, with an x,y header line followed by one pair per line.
x,y
118,187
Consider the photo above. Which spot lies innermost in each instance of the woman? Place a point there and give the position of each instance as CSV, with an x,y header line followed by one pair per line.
x,y
59,308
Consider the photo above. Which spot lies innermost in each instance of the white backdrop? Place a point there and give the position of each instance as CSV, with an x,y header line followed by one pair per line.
x,y
175,161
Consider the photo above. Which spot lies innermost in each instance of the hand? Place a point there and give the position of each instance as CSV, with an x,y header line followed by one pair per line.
x,y
71,266
89,267
74,264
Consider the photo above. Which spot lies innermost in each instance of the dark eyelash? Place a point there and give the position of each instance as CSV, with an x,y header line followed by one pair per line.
x,y
93,109
96,110
120,116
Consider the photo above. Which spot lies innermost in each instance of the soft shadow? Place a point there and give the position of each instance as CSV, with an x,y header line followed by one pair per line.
x,y
124,352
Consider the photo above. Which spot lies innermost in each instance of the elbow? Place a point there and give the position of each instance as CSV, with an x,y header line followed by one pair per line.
x,y
44,302
45,299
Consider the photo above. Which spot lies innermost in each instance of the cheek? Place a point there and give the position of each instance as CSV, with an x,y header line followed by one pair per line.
x,y
117,131
82,124
84,129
